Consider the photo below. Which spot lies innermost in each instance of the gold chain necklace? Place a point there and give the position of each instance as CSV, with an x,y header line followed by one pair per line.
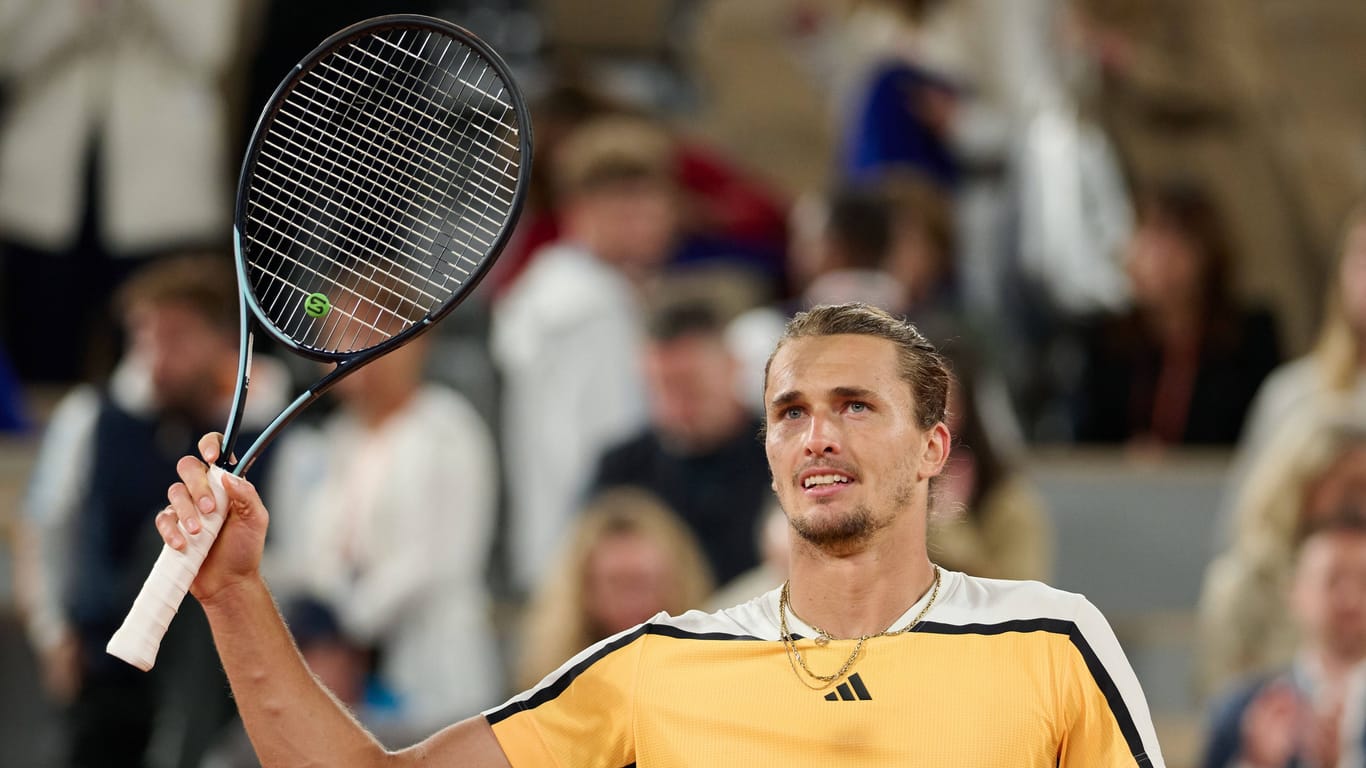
x,y
794,656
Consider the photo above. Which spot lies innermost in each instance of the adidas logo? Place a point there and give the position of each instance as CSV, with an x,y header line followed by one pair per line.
x,y
852,689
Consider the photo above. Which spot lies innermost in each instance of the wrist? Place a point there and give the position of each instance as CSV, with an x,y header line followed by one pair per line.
x,y
233,597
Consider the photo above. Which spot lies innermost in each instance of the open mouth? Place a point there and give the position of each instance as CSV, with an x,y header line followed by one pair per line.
x,y
822,481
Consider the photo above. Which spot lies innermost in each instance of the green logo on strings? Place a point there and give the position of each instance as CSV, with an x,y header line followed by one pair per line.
x,y
317,305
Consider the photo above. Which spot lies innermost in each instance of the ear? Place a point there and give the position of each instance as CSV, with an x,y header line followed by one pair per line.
x,y
935,451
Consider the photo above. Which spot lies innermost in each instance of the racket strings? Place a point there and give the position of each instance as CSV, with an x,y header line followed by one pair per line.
x,y
382,183
419,99
389,182
503,190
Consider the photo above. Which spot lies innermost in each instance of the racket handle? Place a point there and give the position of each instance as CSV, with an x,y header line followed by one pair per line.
x,y
138,640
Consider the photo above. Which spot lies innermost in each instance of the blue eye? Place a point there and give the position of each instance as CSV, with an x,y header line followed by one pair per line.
x,y
858,407
792,413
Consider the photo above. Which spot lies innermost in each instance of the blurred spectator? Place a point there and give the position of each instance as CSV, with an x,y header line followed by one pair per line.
x,y
567,335
1336,368
724,215
987,519
1313,470
922,248
113,146
1182,367
627,559
1293,717
701,454
386,513
840,250
770,573
555,114
1192,89
86,543
343,667
902,108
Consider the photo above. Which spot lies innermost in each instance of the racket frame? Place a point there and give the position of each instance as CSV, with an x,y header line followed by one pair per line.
x,y
251,312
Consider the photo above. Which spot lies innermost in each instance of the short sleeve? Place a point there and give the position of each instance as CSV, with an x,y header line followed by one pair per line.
x,y
1108,723
580,716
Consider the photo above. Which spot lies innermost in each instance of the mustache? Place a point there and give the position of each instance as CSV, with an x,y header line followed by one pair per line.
x,y
837,466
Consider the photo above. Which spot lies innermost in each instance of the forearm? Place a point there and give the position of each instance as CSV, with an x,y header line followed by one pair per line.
x,y
291,719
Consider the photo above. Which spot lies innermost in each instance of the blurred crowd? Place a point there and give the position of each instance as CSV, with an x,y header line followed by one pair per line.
x,y
1129,224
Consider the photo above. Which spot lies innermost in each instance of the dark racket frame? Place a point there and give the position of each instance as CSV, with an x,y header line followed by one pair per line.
x,y
349,145
346,362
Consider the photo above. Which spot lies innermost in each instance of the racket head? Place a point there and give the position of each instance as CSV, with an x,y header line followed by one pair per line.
x,y
384,177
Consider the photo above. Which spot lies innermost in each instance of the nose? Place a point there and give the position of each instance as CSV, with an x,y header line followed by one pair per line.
x,y
823,436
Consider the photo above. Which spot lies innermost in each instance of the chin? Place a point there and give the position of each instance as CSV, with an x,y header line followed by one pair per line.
x,y
828,528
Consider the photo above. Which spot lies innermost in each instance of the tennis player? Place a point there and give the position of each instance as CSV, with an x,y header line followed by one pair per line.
x,y
870,655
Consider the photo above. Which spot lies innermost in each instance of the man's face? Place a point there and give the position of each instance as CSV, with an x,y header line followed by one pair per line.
x,y
692,388
183,353
1329,592
628,223
843,442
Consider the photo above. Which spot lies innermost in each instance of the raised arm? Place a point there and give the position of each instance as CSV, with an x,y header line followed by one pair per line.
x,y
290,717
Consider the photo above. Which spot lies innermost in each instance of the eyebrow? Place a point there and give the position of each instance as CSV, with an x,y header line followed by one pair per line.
x,y
793,395
853,392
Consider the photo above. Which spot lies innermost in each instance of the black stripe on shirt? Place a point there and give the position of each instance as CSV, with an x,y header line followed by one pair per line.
x,y
1099,673
553,690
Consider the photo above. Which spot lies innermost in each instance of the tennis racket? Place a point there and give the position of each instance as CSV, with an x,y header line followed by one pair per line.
x,y
381,182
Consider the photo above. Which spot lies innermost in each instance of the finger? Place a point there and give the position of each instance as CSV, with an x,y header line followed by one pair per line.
x,y
170,533
183,507
211,446
242,496
195,475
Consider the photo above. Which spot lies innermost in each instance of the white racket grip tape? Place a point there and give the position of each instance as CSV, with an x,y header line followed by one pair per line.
x,y
138,640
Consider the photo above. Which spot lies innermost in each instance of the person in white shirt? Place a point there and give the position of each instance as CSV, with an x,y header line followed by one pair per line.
x,y
567,336
387,515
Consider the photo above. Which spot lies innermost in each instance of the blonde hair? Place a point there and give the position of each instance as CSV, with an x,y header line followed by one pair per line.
x,y
612,149
557,625
1243,625
1270,509
1337,353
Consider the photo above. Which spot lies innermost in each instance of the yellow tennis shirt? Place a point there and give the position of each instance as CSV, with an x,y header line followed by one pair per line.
x,y
1001,674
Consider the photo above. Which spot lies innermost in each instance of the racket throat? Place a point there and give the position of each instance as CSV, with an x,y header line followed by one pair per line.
x,y
239,399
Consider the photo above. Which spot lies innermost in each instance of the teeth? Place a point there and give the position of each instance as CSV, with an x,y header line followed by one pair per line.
x,y
816,480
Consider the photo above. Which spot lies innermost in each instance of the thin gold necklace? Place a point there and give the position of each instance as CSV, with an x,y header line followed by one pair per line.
x,y
794,656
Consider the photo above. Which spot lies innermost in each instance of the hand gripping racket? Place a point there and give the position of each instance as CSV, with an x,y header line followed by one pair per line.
x,y
381,182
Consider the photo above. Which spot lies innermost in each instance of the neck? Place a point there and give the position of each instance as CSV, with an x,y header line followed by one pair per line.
x,y
1175,324
379,409
851,594
224,388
